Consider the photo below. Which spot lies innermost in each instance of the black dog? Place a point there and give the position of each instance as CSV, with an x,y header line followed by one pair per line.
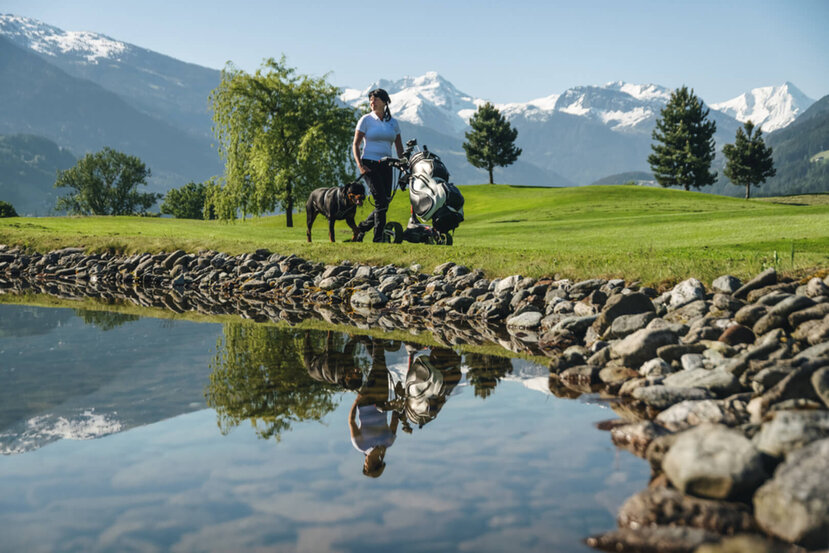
x,y
335,203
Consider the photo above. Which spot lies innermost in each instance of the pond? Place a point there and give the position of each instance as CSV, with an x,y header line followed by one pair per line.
x,y
126,433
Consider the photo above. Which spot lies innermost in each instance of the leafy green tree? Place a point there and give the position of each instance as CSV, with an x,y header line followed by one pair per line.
x,y
281,135
491,142
7,210
683,147
258,375
748,160
485,371
105,183
189,202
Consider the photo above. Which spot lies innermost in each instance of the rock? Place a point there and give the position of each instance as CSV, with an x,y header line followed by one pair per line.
x,y
656,367
581,373
370,298
622,304
717,381
794,504
662,397
613,373
737,334
819,311
791,305
642,346
530,319
653,539
797,384
692,361
820,383
766,278
750,314
686,414
506,284
726,284
625,325
727,303
674,352
636,437
748,543
714,461
576,325
686,292
816,287
688,313
767,323
790,430
662,506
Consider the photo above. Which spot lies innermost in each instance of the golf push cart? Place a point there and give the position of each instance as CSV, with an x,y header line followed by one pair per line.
x,y
432,197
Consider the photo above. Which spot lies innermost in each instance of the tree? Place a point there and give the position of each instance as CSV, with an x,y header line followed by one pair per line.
x,y
748,160
105,183
684,142
281,135
7,210
491,142
189,202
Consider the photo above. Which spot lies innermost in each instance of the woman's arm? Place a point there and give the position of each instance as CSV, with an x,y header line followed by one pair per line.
x,y
358,139
352,421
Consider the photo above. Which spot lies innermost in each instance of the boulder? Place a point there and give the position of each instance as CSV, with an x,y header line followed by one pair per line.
x,y
642,346
717,381
662,506
737,334
686,414
726,284
820,383
790,430
529,319
794,504
662,397
766,278
686,292
653,539
622,304
369,298
714,461
628,324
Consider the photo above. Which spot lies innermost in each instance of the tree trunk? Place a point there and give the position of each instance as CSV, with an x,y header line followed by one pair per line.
x,y
748,190
289,207
490,175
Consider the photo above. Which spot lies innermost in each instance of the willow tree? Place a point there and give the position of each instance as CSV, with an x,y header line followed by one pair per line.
x,y
280,135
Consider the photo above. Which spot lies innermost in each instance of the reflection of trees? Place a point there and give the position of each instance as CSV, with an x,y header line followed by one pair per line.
x,y
484,372
105,320
258,375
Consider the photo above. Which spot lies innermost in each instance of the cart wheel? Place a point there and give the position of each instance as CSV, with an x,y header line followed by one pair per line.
x,y
445,239
393,232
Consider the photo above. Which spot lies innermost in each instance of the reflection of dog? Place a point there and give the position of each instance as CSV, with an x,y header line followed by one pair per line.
x,y
336,204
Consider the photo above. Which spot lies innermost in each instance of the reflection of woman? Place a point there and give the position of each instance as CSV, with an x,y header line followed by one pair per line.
x,y
371,432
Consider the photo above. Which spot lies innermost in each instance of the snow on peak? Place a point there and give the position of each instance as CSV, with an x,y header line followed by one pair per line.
x,y
41,430
771,107
49,40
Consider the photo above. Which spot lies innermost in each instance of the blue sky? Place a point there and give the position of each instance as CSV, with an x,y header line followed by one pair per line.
x,y
501,51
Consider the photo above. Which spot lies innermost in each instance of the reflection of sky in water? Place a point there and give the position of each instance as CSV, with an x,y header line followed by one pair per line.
x,y
519,471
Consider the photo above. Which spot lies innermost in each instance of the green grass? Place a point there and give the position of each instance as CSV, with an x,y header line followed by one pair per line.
x,y
820,156
638,233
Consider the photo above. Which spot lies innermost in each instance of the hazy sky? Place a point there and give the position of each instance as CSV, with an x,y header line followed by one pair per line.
x,y
507,51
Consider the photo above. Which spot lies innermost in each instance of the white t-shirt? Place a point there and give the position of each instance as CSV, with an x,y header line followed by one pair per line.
x,y
379,137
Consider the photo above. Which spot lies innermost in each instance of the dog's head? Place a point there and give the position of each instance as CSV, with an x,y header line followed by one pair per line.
x,y
355,192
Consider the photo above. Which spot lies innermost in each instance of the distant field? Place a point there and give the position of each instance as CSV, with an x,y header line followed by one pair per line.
x,y
820,156
638,233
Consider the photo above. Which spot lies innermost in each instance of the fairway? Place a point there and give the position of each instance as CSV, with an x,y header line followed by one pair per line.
x,y
637,233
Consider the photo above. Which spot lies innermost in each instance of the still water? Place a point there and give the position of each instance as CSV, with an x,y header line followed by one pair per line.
x,y
122,433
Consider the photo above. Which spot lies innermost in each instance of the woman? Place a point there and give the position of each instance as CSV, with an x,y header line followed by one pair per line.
x,y
376,132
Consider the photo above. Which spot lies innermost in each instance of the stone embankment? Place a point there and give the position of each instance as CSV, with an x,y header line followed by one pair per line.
x,y
725,391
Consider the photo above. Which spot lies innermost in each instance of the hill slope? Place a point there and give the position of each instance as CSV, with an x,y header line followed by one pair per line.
x,y
28,168
38,98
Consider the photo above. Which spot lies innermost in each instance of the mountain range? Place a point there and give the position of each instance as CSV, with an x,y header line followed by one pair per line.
x,y
85,90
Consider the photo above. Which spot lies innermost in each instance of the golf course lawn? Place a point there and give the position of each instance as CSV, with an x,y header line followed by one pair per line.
x,y
638,233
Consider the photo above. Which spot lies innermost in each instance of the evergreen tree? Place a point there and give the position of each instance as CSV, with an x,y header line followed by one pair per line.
x,y
491,142
281,135
749,160
105,183
684,142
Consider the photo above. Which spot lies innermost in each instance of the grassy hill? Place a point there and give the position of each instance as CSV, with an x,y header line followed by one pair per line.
x,y
28,168
650,234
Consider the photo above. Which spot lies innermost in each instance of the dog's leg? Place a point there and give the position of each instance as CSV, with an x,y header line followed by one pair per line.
x,y
349,219
331,222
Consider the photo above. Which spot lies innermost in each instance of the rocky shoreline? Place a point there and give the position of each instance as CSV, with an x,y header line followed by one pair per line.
x,y
725,391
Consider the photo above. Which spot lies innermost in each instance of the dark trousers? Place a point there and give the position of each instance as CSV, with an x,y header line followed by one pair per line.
x,y
379,183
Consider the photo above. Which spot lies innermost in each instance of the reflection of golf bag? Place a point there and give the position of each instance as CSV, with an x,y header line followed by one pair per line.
x,y
428,386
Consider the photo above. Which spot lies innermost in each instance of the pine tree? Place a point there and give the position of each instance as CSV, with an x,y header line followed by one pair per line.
x,y
748,159
683,147
491,142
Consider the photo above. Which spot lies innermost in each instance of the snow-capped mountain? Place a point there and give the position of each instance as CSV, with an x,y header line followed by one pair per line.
x,y
771,107
52,41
